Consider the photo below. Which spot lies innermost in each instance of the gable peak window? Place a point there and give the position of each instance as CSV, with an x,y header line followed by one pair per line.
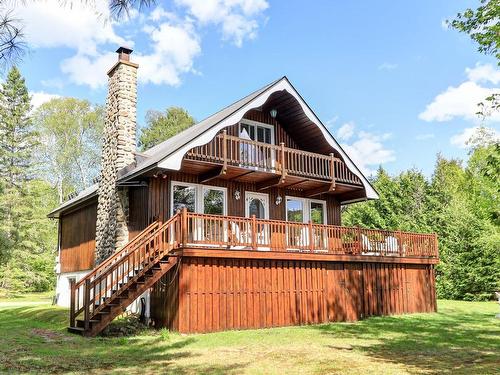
x,y
256,131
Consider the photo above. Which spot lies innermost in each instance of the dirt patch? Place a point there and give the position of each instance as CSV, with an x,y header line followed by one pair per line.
x,y
49,335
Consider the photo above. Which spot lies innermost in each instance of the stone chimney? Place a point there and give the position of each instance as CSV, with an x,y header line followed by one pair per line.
x,y
118,151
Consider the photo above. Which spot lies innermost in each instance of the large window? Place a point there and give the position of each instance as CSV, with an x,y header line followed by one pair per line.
x,y
184,196
295,210
198,198
213,201
301,210
257,131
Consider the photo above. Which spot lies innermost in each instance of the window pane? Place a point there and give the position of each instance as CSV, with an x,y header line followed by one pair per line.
x,y
317,214
256,208
244,127
213,201
184,196
268,135
294,211
260,134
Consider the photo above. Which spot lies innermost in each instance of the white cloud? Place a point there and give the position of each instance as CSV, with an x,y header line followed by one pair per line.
x,y
40,97
461,139
175,48
387,66
88,70
424,137
74,24
368,150
346,131
462,101
238,18
483,73
173,39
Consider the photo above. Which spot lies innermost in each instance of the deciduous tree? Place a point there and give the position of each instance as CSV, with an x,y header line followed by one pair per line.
x,y
161,126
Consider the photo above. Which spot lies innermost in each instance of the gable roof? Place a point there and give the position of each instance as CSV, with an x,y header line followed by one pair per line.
x,y
169,153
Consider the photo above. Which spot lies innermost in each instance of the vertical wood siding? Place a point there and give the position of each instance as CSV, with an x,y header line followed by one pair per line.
x,y
216,294
164,305
78,239
159,198
138,210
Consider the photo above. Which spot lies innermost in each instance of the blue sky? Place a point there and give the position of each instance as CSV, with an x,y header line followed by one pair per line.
x,y
393,84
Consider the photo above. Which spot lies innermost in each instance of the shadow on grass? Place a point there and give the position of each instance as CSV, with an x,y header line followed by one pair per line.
x,y
23,349
436,343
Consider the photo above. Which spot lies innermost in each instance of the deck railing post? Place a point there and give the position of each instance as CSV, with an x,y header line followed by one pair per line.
x,y
436,248
358,235
224,150
86,304
332,169
72,283
254,232
399,243
184,226
283,165
311,238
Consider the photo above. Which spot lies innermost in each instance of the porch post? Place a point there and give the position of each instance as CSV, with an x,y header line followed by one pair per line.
x,y
332,170
72,283
283,162
311,239
224,150
254,232
184,227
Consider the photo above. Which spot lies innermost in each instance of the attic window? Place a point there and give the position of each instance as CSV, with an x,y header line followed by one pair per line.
x,y
257,131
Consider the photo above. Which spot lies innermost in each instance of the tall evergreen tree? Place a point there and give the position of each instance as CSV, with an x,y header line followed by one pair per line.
x,y
17,142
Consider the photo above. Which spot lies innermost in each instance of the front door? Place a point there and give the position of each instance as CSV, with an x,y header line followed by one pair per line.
x,y
258,204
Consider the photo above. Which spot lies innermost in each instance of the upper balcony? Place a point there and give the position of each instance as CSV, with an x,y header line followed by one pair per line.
x,y
270,165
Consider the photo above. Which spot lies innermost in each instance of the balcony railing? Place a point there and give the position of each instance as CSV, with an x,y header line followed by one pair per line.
x,y
238,152
240,233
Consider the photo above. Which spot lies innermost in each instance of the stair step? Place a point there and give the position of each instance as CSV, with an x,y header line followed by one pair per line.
x,y
77,330
80,323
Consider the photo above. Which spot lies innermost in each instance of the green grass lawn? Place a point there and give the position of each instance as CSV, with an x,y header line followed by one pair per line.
x,y
463,338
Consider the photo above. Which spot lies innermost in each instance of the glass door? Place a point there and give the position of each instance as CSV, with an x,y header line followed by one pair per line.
x,y
258,204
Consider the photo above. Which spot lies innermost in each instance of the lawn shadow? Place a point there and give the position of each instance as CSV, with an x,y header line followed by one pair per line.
x,y
38,343
435,343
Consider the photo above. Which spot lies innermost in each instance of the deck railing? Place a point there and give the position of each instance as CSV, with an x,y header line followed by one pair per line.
x,y
240,233
234,151
188,230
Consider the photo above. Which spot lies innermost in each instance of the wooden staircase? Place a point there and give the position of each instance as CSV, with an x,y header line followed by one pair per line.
x,y
106,292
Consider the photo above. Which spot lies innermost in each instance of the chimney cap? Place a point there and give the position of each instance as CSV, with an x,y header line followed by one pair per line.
x,y
124,53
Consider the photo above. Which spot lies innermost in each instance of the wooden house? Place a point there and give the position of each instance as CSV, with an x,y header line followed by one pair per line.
x,y
234,223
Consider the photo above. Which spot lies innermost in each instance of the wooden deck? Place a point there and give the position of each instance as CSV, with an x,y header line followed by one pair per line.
x,y
251,234
270,165
269,249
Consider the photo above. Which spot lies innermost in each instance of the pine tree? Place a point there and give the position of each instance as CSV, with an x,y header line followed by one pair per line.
x,y
17,143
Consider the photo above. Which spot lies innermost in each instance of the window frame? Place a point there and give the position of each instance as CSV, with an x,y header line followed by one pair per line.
x,y
255,124
199,192
306,204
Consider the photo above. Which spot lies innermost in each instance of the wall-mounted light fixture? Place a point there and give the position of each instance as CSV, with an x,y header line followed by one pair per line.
x,y
237,194
273,112
278,200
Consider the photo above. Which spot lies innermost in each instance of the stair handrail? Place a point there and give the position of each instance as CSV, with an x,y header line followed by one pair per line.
x,y
172,221
153,231
151,227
